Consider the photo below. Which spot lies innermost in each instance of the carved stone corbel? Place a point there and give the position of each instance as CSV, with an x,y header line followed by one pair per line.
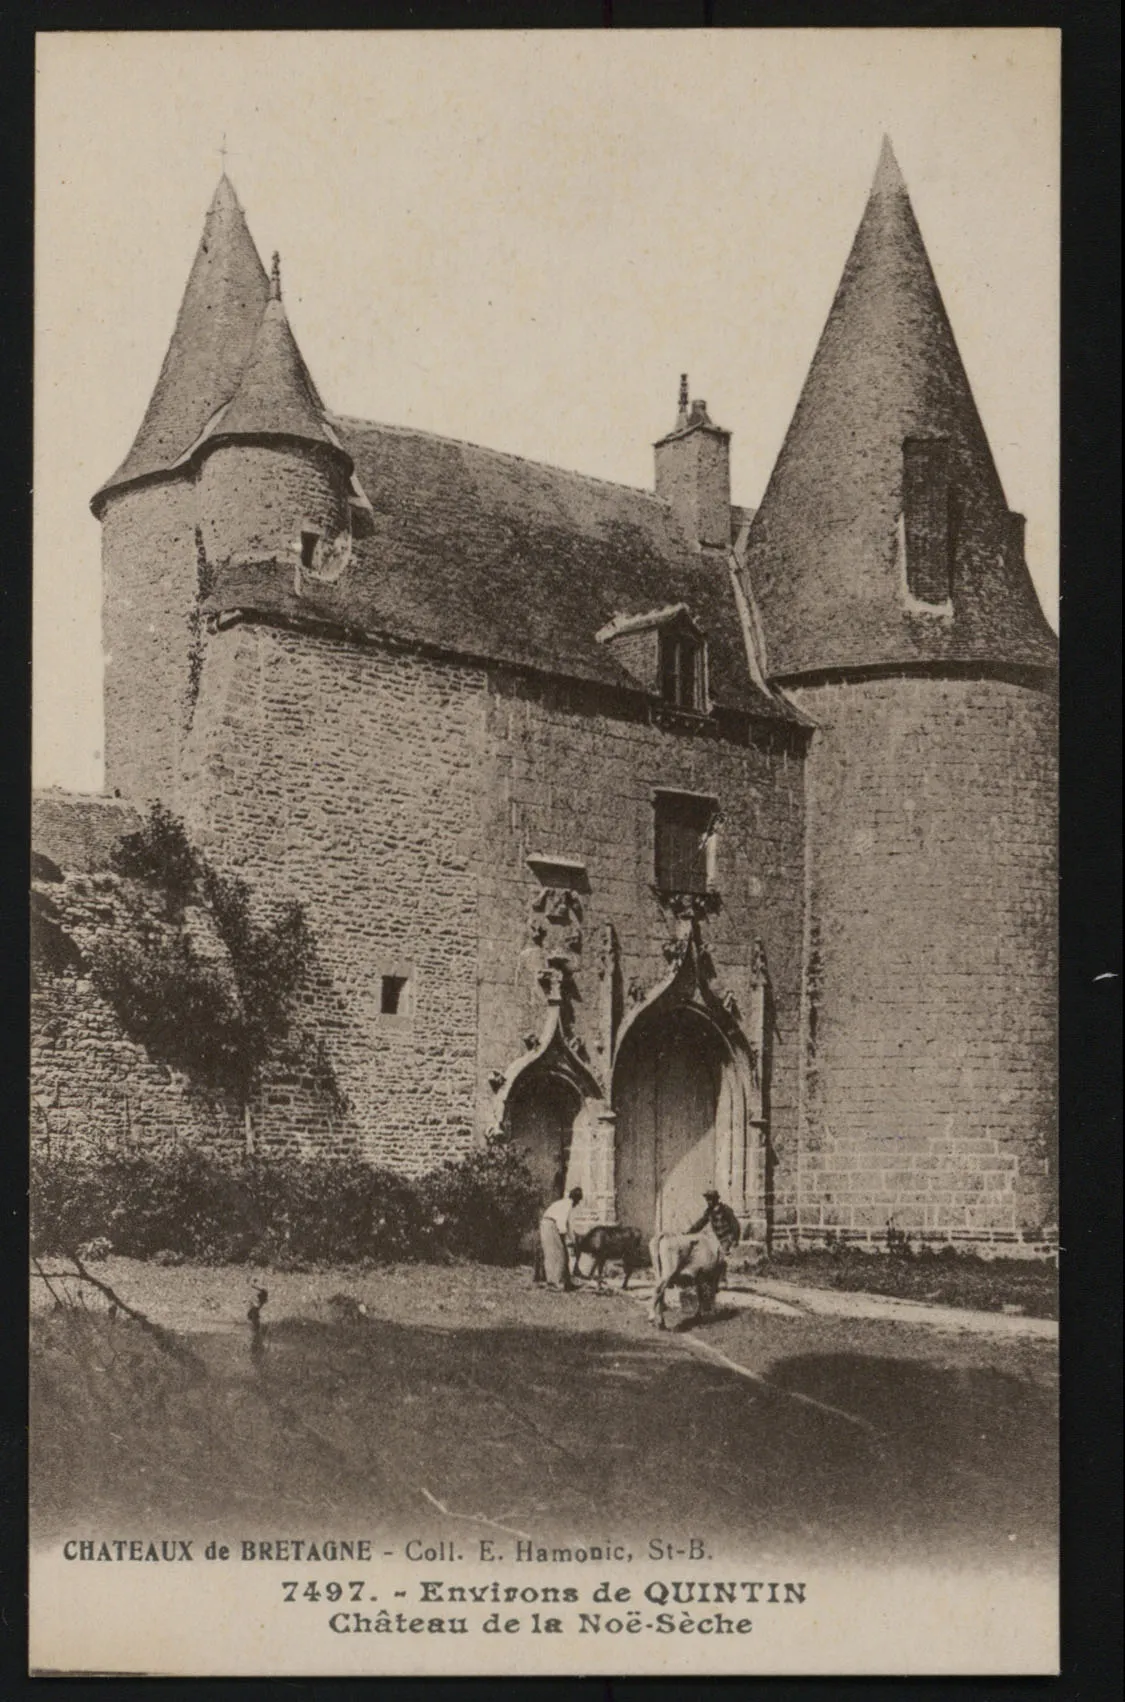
x,y
609,975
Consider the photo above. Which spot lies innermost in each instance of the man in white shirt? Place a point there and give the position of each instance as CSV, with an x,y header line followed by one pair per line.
x,y
557,1240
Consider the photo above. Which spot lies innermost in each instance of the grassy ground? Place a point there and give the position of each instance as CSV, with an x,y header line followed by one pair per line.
x,y
566,1417
948,1279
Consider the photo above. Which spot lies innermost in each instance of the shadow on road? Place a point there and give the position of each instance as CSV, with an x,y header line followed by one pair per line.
x,y
562,1434
966,1457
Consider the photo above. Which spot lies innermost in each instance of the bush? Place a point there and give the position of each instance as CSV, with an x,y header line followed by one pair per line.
x,y
483,1204
336,1211
181,1200
159,855
189,1203
183,1011
69,1207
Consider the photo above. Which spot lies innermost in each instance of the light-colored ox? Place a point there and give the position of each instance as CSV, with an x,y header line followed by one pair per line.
x,y
686,1261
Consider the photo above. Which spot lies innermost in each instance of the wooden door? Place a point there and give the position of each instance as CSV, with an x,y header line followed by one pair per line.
x,y
635,1104
666,1099
687,1096
541,1114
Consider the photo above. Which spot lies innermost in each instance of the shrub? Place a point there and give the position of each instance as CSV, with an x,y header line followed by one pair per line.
x,y
337,1211
189,1203
483,1204
159,855
183,1011
141,1203
69,1206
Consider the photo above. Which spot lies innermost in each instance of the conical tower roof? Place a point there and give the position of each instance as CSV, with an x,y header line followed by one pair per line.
x,y
825,553
222,305
276,396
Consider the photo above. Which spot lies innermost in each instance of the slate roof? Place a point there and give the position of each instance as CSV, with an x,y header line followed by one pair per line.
x,y
822,554
221,310
275,395
491,556
466,550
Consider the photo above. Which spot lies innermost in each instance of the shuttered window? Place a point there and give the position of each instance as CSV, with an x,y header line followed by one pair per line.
x,y
684,824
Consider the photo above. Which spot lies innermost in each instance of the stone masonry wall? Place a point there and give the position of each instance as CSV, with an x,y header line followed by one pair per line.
x,y
92,1089
693,475
245,502
399,798
254,500
150,575
929,1022
572,780
77,831
346,777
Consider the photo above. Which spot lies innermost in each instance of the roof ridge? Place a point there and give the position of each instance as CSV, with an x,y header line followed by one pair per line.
x,y
498,454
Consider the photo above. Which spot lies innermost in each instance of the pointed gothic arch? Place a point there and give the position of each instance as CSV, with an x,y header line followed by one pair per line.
x,y
548,1100
688,1094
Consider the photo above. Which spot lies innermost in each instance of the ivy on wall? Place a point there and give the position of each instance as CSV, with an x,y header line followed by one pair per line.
x,y
201,977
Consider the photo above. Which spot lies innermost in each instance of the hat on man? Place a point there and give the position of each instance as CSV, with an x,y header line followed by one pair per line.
x,y
576,1194
711,1194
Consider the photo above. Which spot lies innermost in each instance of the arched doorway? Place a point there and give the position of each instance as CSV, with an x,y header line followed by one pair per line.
x,y
672,1098
541,1112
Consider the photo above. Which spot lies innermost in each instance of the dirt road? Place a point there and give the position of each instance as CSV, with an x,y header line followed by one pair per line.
x,y
465,1398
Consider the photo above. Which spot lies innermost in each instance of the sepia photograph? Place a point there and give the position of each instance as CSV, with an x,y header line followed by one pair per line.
x,y
544,853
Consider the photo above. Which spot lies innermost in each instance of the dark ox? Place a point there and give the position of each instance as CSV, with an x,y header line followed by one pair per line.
x,y
687,1261
611,1241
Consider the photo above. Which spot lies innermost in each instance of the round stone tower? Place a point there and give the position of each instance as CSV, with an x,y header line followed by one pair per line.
x,y
235,468
273,477
147,509
899,615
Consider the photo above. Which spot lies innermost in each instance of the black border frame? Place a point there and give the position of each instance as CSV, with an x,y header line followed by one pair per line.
x,y
1091,811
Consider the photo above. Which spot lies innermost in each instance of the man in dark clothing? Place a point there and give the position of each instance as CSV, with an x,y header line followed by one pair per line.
x,y
721,1219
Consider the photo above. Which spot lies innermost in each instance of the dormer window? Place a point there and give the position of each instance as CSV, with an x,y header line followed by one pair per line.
x,y
680,669
665,652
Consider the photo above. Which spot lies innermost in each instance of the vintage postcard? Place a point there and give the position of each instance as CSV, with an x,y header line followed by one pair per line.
x,y
544,1007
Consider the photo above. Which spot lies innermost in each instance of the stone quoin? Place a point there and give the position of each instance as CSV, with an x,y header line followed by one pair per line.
x,y
700,847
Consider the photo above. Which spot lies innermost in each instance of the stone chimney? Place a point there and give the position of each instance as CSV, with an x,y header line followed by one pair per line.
x,y
693,473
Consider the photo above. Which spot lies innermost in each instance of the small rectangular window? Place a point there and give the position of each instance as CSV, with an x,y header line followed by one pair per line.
x,y
684,828
392,998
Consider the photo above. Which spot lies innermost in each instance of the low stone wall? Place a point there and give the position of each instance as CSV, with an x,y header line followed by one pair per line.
x,y
93,1090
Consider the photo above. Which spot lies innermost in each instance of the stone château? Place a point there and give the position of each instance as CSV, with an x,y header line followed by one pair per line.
x,y
698,846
